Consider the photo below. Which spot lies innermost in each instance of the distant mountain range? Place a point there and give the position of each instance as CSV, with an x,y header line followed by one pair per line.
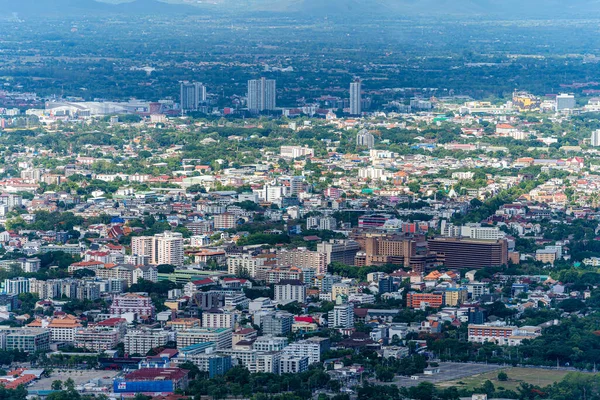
x,y
348,9
91,7
438,8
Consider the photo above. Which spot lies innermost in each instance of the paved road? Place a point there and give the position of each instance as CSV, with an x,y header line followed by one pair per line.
x,y
448,372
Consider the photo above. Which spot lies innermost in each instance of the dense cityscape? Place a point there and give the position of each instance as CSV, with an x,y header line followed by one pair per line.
x,y
211,205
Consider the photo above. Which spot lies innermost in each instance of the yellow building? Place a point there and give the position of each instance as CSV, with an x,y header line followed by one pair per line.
x,y
338,289
180,324
547,257
455,296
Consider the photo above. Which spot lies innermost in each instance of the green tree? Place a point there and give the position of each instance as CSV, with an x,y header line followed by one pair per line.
x,y
70,385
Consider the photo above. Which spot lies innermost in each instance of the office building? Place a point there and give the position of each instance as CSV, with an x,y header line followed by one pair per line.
x,y
356,97
49,289
339,289
218,318
420,104
62,328
422,300
269,343
477,289
169,248
321,223
327,224
325,282
303,258
277,323
342,316
145,272
365,139
471,231
502,335
339,250
9,302
389,249
192,96
244,264
278,274
163,248
136,303
290,290
221,337
225,221
240,356
267,362
204,356
243,335
181,324
291,364
545,256
565,102
28,340
296,151
262,95
373,221
141,341
386,285
311,348
477,316
469,253
96,339
455,296
595,139
16,285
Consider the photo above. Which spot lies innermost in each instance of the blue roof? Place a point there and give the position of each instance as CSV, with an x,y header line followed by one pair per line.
x,y
197,347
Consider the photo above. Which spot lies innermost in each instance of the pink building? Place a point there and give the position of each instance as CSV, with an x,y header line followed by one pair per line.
x,y
133,303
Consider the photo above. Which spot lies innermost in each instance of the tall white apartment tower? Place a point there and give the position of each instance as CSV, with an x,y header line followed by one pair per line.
x,y
163,248
192,95
142,246
595,139
356,97
262,94
169,248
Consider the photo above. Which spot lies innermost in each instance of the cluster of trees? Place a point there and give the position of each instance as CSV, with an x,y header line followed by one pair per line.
x,y
158,291
19,393
264,238
238,382
407,366
66,391
74,306
45,221
70,361
423,391
483,210
572,386
9,356
574,342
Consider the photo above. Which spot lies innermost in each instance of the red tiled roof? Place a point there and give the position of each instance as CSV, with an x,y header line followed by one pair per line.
x,y
111,321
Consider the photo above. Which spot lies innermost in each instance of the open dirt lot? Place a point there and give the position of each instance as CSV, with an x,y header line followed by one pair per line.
x,y
79,376
535,376
448,372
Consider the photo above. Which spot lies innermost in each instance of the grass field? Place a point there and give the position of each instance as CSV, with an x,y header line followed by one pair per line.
x,y
534,376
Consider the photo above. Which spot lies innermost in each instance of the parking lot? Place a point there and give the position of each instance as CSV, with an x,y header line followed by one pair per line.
x,y
448,372
80,377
